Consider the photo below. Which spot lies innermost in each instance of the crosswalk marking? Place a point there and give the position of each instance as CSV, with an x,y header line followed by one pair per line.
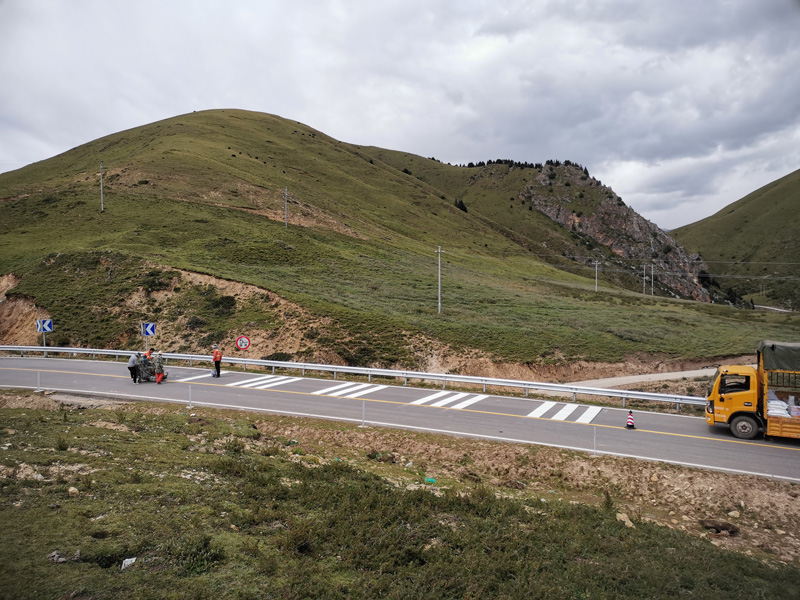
x,y
351,388
251,382
199,377
543,408
369,390
331,389
431,397
280,381
446,401
564,412
470,401
589,415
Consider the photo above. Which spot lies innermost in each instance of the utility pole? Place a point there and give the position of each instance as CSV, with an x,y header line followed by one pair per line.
x,y
644,279
439,252
596,263
286,207
101,187
652,277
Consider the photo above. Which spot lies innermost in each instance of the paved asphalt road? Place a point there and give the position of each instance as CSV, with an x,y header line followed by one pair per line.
x,y
675,439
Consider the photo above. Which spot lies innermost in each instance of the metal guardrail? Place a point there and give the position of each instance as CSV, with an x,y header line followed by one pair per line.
x,y
406,376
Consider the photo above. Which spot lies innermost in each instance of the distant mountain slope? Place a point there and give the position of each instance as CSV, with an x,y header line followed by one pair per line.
x,y
753,245
337,245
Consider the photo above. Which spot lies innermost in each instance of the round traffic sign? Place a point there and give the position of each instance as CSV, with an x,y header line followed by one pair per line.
x,y
243,342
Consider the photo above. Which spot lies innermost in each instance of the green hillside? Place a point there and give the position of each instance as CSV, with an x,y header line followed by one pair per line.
x,y
204,192
754,244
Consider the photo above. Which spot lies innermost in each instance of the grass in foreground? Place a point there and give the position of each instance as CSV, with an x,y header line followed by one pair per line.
x,y
212,508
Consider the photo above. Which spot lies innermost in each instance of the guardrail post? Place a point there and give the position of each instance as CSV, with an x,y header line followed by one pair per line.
x,y
527,391
405,381
369,378
484,386
444,382
190,362
678,407
574,396
624,400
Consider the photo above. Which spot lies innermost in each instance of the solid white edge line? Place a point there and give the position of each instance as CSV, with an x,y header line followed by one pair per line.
x,y
430,430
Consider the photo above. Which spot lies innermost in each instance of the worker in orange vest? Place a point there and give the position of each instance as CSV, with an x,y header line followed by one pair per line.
x,y
217,358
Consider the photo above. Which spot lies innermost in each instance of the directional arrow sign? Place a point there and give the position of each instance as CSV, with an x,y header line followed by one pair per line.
x,y
148,329
44,325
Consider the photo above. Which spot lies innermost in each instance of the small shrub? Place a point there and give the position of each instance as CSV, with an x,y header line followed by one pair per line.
x,y
62,445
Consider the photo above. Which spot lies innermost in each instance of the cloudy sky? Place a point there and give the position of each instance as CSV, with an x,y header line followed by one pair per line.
x,y
681,106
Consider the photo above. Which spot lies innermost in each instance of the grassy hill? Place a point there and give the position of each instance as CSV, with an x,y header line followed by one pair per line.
x,y
753,244
207,192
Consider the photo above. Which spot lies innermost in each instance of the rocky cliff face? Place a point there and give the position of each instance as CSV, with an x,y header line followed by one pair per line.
x,y
567,195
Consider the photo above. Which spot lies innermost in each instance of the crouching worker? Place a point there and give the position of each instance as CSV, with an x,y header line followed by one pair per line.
x,y
158,362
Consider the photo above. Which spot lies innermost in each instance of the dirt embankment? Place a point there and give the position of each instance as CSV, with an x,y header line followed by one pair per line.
x,y
17,316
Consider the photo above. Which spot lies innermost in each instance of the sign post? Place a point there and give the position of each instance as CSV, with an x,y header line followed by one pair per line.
x,y
44,326
243,343
148,329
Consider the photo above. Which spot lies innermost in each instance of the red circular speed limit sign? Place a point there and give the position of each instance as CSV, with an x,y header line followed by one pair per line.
x,y
243,342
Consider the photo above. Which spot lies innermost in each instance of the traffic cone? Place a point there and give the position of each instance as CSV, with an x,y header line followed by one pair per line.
x,y
630,424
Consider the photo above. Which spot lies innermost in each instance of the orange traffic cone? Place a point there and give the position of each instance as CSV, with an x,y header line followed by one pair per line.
x,y
630,424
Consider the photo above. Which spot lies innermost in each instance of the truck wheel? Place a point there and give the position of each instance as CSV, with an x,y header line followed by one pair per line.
x,y
744,427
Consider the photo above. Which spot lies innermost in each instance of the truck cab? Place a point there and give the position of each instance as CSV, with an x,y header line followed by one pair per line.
x,y
733,399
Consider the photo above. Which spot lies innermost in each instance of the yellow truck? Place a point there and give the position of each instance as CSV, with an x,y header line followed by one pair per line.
x,y
764,397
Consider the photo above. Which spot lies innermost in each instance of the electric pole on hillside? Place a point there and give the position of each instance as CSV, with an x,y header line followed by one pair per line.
x,y
596,263
286,207
439,252
101,187
652,277
644,279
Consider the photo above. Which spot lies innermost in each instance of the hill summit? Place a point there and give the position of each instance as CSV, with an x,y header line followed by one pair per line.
x,y
227,222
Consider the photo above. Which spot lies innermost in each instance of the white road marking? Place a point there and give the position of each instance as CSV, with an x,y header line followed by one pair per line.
x,y
446,401
431,397
470,401
545,406
351,388
252,382
369,390
331,389
564,412
281,381
589,415
199,377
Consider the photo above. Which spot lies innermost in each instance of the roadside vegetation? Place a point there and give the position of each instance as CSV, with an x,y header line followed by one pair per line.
x,y
216,504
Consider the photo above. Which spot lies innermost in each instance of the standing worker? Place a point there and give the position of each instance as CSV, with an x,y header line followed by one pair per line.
x,y
217,358
133,366
159,364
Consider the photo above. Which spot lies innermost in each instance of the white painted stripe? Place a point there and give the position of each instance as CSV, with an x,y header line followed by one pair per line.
x,y
471,401
447,401
199,377
351,388
589,415
369,390
252,382
330,389
277,383
431,397
543,408
564,412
